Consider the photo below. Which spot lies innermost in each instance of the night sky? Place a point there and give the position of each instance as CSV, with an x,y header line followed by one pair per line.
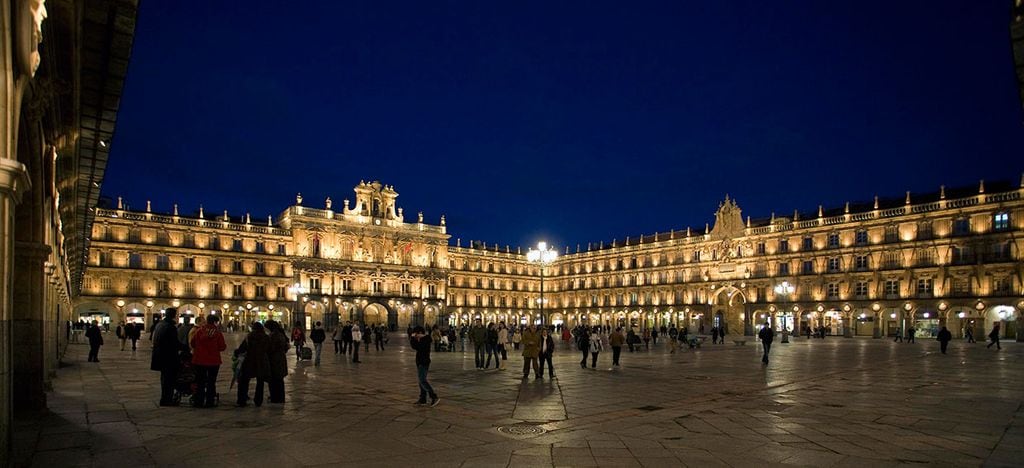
x,y
570,122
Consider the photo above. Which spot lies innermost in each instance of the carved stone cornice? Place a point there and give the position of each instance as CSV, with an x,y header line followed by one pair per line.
x,y
14,179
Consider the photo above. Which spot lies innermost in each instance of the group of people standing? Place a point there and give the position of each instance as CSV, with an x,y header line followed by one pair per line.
x,y
199,345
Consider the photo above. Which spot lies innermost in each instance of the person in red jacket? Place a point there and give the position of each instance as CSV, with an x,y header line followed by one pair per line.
x,y
207,343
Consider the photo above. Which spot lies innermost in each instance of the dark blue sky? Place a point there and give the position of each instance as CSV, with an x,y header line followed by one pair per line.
x,y
571,122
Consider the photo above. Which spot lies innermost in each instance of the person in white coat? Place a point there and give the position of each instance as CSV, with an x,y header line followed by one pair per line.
x,y
503,343
357,336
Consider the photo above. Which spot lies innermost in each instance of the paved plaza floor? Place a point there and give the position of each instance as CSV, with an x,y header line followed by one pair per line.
x,y
833,402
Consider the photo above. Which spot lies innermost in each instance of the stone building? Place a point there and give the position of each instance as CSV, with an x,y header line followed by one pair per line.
x,y
64,65
865,269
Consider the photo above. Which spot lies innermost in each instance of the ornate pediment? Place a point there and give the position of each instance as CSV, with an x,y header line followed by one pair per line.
x,y
728,220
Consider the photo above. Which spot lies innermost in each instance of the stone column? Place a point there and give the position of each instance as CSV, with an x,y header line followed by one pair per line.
x,y
876,331
847,325
29,301
13,183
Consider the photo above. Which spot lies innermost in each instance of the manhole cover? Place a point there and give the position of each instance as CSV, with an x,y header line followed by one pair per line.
x,y
521,430
650,408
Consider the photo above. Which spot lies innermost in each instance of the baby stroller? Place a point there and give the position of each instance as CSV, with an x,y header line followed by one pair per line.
x,y
186,382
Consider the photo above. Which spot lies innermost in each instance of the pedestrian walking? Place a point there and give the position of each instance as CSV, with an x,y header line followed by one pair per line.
x,y
714,335
165,358
134,333
502,343
346,338
478,336
317,336
277,356
491,344
298,339
357,337
207,343
615,340
95,338
547,350
767,335
420,342
910,334
944,337
253,353
517,337
994,336
969,334
595,348
899,336
336,337
379,337
121,332
583,344
531,351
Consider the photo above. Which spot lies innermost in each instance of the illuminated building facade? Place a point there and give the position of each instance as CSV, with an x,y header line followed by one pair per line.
x,y
949,258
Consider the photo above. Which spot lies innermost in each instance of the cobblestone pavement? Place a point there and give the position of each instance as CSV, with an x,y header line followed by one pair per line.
x,y
832,402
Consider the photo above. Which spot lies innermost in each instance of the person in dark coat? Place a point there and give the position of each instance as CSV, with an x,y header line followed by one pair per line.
x,y
255,363
944,337
134,334
419,340
767,335
994,336
547,350
166,350
583,344
278,362
95,341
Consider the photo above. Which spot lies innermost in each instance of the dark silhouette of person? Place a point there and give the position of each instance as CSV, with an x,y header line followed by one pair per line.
x,y
767,335
944,337
994,336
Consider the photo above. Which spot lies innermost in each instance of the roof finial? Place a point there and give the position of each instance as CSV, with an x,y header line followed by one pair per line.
x,y
981,186
773,218
175,209
846,209
458,242
876,202
247,221
908,197
149,207
200,211
687,231
748,221
821,211
442,220
226,218
796,215
942,192
270,221
298,198
707,228
328,202
120,203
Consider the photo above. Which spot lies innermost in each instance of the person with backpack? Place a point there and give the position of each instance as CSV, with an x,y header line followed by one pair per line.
x,y
595,348
207,343
298,339
317,336
767,335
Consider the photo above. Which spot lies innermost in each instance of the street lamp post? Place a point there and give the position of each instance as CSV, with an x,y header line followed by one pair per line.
x,y
541,256
298,315
784,289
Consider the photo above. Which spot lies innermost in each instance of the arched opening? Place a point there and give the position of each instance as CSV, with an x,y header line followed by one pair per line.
x,y
728,304
375,314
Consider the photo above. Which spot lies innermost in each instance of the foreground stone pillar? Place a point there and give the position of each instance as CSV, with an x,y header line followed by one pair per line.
x,y
13,182
29,344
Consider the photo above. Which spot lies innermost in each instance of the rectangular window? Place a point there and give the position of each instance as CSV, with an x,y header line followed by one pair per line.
x,y
892,260
282,292
190,264
861,262
163,287
280,249
783,269
834,264
961,286
378,287
346,285
861,237
314,285
833,290
924,287
190,289
237,290
134,260
189,240
1000,285
432,291
783,246
892,233
261,247
961,226
696,256
405,288
216,266
808,267
861,290
892,288
833,240
215,289
134,285
162,262
808,243
1001,221
261,268
261,291
760,248
236,266
924,230
236,245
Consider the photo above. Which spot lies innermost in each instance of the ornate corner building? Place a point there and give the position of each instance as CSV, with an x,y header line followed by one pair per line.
x,y
948,258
